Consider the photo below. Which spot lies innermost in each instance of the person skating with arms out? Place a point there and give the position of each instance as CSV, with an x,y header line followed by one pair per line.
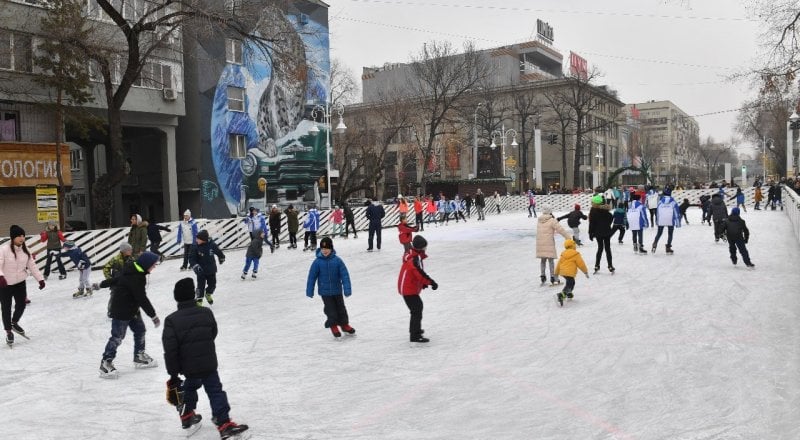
x,y
574,221
53,238
404,231
254,252
202,262
189,350
16,263
329,273
84,265
567,267
410,282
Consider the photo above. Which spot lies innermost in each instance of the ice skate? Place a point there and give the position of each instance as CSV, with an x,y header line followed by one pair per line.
x,y
543,279
254,276
244,276
348,329
419,339
18,330
554,281
335,331
107,369
642,250
62,277
191,423
560,299
79,294
10,338
635,247
209,299
669,249
229,430
750,265
143,360
596,269
611,269
654,249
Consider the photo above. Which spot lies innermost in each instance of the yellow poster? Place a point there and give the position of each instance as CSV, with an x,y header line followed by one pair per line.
x,y
47,204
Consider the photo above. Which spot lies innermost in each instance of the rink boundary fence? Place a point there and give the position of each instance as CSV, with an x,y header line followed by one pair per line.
x,y
230,233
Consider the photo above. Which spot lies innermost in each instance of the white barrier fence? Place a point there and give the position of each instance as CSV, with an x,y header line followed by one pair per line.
x,y
102,244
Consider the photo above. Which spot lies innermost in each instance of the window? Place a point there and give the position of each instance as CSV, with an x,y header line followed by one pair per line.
x,y
155,76
238,146
9,126
233,6
81,201
75,160
16,51
233,51
235,99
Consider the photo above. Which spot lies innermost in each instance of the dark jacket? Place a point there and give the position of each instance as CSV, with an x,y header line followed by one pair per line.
x,y
480,201
684,206
78,257
718,209
736,229
292,220
137,237
188,340
203,254
599,222
348,214
256,248
128,293
573,218
152,232
275,219
375,213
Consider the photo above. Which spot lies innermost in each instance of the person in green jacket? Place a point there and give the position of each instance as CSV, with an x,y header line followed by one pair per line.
x,y
137,236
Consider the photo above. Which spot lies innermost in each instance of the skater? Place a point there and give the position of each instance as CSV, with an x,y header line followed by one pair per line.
x,y
468,205
458,208
137,235
683,208
202,262
574,221
705,205
311,225
154,235
418,214
84,265
430,208
405,232
292,225
497,201
54,239
16,262
443,209
375,214
619,221
480,204
187,236
330,274
531,204
410,282
758,197
652,204
546,227
254,222
349,221
637,222
113,269
567,267
128,297
189,349
739,197
738,236
274,227
254,251
337,218
719,212
770,197
667,215
600,228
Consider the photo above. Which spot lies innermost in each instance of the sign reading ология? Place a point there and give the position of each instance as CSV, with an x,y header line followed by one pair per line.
x,y
29,165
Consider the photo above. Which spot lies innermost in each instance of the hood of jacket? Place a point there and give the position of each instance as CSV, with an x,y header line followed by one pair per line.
x,y
544,218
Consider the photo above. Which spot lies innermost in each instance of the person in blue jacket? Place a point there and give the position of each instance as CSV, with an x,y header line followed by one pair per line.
x,y
667,214
739,196
311,225
375,214
84,265
330,274
637,222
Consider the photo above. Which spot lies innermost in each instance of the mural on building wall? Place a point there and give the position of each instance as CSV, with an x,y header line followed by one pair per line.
x,y
280,89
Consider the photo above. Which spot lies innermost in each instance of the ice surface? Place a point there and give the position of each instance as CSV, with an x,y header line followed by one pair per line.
x,y
670,347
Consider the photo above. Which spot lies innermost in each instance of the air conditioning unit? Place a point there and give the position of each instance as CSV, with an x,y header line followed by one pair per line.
x,y
170,94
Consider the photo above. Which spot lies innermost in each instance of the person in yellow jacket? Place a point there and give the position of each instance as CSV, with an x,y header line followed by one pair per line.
x,y
567,267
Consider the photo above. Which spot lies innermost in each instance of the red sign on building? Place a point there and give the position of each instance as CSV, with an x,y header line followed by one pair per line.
x,y
578,66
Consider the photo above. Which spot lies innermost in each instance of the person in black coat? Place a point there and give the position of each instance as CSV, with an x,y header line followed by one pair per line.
x,y
201,260
275,226
154,235
719,212
600,220
738,235
189,350
129,295
349,220
375,214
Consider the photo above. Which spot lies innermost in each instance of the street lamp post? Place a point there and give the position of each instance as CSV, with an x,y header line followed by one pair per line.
x,y
326,113
764,142
792,124
598,157
503,133
475,143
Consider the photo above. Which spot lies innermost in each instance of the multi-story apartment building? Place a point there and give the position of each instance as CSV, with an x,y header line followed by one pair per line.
x,y
667,139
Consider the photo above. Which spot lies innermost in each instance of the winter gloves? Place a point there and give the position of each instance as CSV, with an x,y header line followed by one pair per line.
x,y
3,282
41,284
197,269
222,261
434,286
156,321
174,393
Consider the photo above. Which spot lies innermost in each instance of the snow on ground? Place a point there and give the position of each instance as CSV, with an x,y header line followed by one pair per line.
x,y
670,347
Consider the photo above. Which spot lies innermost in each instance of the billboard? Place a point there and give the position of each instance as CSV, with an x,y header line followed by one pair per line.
x,y
578,67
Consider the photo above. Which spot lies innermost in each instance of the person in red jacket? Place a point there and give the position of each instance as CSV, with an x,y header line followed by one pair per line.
x,y
53,239
405,231
410,283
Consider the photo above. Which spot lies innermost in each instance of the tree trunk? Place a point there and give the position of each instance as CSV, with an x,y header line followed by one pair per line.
x,y
59,134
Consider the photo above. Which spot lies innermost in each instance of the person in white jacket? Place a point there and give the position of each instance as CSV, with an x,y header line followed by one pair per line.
x,y
15,263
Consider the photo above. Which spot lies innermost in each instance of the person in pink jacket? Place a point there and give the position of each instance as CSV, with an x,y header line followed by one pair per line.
x,y
337,217
15,262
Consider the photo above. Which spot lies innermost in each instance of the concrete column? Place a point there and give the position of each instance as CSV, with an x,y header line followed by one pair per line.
x,y
537,146
169,175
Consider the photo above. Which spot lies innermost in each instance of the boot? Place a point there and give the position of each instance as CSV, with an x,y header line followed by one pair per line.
x,y
348,329
244,275
636,247
143,360
335,331
107,369
669,249
190,419
15,327
9,337
79,294
642,250
230,430
543,279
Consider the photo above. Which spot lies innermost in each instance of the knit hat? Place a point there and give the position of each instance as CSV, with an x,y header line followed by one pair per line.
x,y
598,199
326,243
69,244
125,247
16,231
187,212
184,290
547,209
577,207
735,211
202,235
419,243
569,244
147,260
667,191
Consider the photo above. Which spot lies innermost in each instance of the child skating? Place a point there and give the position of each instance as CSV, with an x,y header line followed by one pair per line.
x,y
330,275
410,282
202,262
84,265
567,267
254,252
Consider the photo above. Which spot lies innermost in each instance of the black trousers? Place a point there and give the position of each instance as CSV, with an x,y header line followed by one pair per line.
x,y
154,245
293,238
414,303
374,231
335,310
348,223
739,244
621,229
186,249
603,243
17,292
276,236
312,235
206,283
418,220
54,253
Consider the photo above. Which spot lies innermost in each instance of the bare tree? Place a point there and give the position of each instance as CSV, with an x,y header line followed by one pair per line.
x,y
528,110
765,118
780,42
712,154
345,88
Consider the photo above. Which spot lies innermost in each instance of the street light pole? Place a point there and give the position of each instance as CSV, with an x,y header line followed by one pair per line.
x,y
475,143
791,125
326,113
502,133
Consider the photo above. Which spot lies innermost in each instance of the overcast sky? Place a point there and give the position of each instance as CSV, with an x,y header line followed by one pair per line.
x,y
682,51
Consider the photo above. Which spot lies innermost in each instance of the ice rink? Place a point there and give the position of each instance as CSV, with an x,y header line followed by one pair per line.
x,y
686,346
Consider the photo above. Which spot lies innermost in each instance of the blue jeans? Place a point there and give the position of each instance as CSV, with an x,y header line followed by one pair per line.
x,y
247,262
670,229
118,329
216,396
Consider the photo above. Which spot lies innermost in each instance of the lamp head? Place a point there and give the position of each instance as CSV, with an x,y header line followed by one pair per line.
x,y
794,117
314,130
340,127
